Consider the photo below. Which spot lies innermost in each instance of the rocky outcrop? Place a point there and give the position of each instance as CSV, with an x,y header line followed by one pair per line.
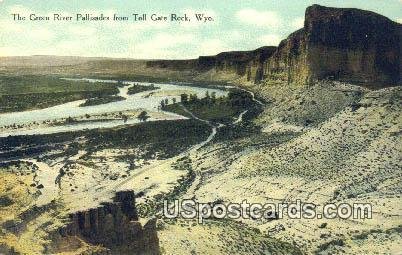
x,y
343,44
115,225
241,63
337,43
289,62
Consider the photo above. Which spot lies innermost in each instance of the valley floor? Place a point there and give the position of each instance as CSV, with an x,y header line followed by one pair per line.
x,y
328,143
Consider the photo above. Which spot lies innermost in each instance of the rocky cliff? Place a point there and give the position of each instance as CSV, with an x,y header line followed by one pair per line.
x,y
344,44
247,64
242,63
115,225
338,43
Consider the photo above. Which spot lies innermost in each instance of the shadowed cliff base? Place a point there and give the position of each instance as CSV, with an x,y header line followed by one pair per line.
x,y
115,226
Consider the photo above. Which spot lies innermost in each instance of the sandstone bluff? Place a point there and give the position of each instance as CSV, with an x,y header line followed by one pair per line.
x,y
115,224
343,44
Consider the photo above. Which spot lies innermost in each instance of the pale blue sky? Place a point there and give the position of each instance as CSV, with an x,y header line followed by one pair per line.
x,y
237,25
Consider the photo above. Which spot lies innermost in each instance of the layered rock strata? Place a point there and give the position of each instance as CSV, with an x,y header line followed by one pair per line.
x,y
115,225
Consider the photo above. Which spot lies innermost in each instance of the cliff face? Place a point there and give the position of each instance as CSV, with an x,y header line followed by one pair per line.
x,y
289,62
353,45
241,63
115,224
342,44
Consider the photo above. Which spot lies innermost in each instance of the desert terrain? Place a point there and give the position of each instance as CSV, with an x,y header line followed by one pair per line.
x,y
274,125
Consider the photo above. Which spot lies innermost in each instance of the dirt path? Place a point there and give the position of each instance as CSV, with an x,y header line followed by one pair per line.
x,y
168,162
46,175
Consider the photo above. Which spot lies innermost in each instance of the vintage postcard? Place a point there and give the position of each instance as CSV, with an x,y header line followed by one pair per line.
x,y
200,127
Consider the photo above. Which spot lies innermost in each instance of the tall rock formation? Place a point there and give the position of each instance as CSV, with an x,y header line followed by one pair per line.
x,y
115,225
344,44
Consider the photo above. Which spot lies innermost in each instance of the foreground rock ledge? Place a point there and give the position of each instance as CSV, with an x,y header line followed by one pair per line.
x,y
115,225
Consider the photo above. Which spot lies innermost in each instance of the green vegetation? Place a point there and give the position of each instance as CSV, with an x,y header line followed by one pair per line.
x,y
176,108
222,109
18,93
101,100
143,116
328,245
166,138
137,88
250,240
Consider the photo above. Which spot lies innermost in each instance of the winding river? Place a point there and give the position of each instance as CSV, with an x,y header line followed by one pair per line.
x,y
148,100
